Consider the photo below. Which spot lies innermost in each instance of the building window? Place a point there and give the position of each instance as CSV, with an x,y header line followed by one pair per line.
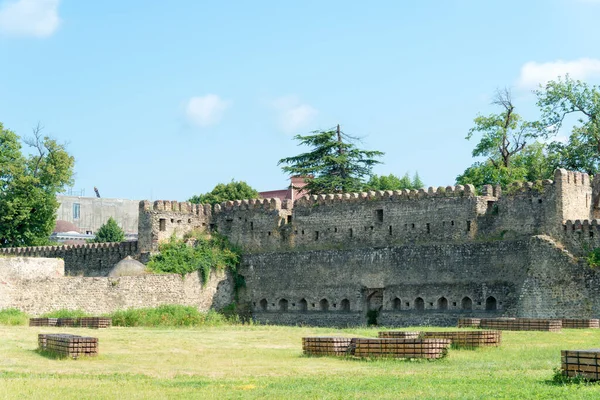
x,y
76,210
162,224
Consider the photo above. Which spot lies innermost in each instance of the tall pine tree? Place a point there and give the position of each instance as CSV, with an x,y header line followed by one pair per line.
x,y
334,164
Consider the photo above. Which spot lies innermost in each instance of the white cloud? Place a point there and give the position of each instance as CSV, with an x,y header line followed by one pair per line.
x,y
533,73
206,110
293,114
36,18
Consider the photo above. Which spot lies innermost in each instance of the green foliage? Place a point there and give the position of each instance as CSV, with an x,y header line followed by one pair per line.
x,y
563,97
206,253
392,182
560,379
169,315
13,316
334,163
593,258
239,190
64,313
531,165
28,187
109,232
503,135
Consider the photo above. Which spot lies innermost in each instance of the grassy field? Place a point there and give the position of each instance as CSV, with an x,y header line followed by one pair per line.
x,y
267,362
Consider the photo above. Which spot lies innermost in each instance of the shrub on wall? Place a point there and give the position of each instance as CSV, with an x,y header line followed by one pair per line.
x,y
199,252
593,258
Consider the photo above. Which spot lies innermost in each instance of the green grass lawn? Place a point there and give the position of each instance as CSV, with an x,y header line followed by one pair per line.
x,y
267,362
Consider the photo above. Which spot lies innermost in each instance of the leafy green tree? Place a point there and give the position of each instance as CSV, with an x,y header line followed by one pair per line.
x,y
564,97
532,164
234,190
503,135
392,182
28,187
334,162
110,232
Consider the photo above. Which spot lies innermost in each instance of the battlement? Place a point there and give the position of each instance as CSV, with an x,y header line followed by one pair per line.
x,y
89,259
387,195
269,204
574,178
378,218
44,251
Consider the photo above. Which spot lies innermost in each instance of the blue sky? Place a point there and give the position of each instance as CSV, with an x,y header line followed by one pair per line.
x,y
163,100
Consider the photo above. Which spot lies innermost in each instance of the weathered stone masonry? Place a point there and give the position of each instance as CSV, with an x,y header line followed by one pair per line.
x,y
412,257
426,256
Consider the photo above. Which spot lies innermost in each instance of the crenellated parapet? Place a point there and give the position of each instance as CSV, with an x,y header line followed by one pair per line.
x,y
53,251
89,259
387,195
378,218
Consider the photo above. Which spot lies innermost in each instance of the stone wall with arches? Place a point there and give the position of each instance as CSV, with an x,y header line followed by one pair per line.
x,y
427,284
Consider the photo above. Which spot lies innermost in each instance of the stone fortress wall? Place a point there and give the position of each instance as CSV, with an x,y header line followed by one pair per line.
x,y
414,257
411,257
90,259
38,285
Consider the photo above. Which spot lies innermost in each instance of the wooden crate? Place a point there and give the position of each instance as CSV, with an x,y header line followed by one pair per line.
x,y
522,324
70,322
326,346
66,345
402,348
585,363
95,322
580,323
400,335
468,339
469,322
43,321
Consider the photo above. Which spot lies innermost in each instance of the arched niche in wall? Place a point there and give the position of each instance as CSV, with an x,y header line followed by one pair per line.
x,y
491,304
419,304
442,303
466,303
324,305
263,304
283,305
345,305
396,304
302,305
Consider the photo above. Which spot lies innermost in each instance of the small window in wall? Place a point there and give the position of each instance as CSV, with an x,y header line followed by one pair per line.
x,y
468,226
316,235
289,219
419,304
428,227
302,305
397,304
324,305
345,305
379,215
162,224
391,230
251,225
283,305
76,210
263,304
351,232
